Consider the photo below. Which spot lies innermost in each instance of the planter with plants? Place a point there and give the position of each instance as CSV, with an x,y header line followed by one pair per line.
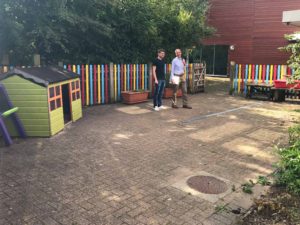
x,y
133,97
168,92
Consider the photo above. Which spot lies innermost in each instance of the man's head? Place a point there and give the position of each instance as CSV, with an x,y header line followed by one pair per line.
x,y
161,53
178,53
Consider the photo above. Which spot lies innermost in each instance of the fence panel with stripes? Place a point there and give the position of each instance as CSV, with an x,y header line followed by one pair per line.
x,y
249,73
99,86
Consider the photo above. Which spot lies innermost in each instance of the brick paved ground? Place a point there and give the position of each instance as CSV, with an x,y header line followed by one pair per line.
x,y
119,164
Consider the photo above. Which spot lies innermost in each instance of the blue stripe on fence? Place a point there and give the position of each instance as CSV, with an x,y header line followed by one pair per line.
x,y
91,85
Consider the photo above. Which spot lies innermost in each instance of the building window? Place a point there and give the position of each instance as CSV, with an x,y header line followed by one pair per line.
x,y
75,90
55,98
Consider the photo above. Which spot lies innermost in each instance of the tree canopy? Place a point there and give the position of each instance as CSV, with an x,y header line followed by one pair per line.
x,y
93,31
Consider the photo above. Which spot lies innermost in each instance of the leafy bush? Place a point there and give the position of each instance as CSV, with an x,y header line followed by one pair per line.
x,y
294,133
289,165
294,49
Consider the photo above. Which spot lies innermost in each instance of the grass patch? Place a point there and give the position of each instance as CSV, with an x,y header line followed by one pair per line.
x,y
247,187
221,208
263,181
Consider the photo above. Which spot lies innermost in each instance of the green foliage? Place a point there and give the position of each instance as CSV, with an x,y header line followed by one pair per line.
x,y
263,181
247,187
289,166
294,49
93,31
221,208
294,133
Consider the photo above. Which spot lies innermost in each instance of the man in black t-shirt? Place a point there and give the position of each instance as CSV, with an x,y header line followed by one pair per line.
x,y
159,79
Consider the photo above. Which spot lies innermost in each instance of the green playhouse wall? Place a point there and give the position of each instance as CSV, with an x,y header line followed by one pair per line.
x,y
32,101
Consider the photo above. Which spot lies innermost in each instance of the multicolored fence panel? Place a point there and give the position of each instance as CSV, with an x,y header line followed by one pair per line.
x,y
99,86
250,73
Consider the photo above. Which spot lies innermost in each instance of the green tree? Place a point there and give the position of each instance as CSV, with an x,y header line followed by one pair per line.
x,y
294,49
93,31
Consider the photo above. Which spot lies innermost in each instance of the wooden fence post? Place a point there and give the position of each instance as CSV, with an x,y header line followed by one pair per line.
x,y
150,77
111,82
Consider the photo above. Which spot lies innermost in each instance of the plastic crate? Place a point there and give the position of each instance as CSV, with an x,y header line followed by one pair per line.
x,y
280,84
284,84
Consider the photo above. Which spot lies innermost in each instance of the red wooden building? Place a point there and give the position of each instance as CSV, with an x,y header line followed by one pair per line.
x,y
253,28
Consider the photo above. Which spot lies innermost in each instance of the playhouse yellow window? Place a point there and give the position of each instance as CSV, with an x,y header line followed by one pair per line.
x,y
57,90
51,92
55,98
52,105
75,90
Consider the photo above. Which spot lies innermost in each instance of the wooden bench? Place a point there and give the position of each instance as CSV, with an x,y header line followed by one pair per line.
x,y
261,90
269,92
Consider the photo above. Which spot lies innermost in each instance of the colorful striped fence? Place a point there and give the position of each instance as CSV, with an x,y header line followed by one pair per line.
x,y
249,73
102,84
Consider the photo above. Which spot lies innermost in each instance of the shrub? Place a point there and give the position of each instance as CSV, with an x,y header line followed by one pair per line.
x,y
289,164
294,49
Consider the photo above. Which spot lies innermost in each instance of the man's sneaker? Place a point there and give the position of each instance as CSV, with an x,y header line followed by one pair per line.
x,y
174,106
162,107
187,107
156,108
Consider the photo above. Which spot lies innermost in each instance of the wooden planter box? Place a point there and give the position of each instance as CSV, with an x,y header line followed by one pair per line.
x,y
133,97
168,93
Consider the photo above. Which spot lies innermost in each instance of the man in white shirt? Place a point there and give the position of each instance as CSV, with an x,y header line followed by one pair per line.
x,y
177,78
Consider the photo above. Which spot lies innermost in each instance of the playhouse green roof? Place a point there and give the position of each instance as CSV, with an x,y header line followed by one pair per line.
x,y
42,75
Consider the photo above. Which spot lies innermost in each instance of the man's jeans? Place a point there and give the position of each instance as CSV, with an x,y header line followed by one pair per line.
x,y
159,90
184,91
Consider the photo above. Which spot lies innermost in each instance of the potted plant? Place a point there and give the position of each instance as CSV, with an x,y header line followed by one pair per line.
x,y
136,96
168,92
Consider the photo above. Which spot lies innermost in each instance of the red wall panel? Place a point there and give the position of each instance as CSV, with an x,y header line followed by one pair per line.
x,y
253,26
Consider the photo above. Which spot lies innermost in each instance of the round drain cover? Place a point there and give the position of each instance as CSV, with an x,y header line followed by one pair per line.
x,y
207,184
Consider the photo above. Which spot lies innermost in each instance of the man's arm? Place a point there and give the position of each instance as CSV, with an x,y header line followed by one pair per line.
x,y
154,74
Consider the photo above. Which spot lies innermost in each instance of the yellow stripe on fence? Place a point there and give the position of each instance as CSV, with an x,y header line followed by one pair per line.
x,y
271,74
87,101
125,77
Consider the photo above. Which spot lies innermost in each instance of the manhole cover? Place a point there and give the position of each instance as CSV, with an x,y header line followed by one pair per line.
x,y
207,184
